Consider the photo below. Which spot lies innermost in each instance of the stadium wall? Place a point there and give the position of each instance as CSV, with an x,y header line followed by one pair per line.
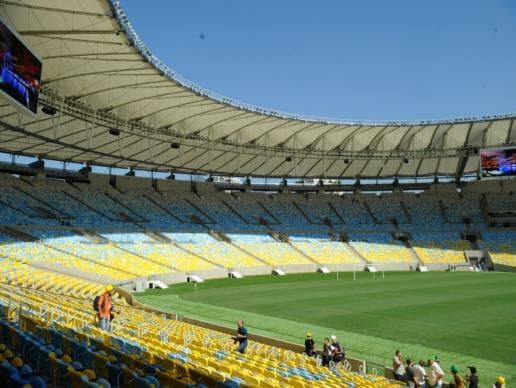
x,y
503,268
131,183
99,181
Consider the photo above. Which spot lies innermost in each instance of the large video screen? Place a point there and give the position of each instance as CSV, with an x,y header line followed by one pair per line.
x,y
20,71
498,162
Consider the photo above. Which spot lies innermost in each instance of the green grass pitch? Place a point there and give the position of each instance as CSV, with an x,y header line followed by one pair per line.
x,y
463,318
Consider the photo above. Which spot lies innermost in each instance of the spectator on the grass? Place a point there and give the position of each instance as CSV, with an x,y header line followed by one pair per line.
x,y
499,383
473,378
409,374
310,345
326,352
398,369
458,381
241,336
337,351
436,374
420,375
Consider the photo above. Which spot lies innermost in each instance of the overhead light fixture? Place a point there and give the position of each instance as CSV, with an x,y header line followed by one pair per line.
x,y
405,160
346,161
174,145
114,131
49,110
288,159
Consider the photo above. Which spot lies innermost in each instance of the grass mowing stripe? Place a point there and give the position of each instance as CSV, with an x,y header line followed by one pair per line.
x,y
453,315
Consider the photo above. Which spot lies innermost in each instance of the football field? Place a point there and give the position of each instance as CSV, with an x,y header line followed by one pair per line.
x,y
462,318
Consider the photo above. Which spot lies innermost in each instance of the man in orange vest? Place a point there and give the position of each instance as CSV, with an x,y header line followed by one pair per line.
x,y
105,306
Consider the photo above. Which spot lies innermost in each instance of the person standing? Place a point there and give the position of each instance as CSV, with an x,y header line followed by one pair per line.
x,y
310,345
458,381
436,374
241,336
326,352
398,369
420,375
337,351
409,373
105,307
499,383
473,379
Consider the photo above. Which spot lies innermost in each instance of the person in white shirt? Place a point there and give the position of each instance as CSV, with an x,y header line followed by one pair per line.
x,y
436,374
398,369
420,375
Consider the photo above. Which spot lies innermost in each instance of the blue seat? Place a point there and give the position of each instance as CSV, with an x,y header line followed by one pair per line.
x,y
115,374
145,382
85,383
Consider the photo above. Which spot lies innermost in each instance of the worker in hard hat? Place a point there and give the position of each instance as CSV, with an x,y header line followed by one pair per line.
x,y
105,308
310,350
499,383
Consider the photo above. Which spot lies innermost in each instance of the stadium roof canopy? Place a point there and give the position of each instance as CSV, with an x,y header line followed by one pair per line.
x,y
98,75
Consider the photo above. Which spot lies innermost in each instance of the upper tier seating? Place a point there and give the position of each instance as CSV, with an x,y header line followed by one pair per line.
x,y
291,218
317,209
501,202
251,207
146,205
387,208
424,209
351,208
460,207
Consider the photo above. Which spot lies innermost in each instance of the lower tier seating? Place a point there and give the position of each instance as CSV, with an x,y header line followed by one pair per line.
x,y
275,253
328,252
501,246
222,253
62,342
169,255
440,247
15,273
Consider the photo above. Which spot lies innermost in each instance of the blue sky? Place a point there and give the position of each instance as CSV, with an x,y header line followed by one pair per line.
x,y
356,59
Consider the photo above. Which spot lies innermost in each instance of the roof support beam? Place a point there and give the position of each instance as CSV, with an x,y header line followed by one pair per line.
x,y
68,32
110,72
463,160
32,7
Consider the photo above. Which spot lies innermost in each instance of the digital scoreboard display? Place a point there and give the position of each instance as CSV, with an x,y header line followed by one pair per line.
x,y
20,71
498,162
